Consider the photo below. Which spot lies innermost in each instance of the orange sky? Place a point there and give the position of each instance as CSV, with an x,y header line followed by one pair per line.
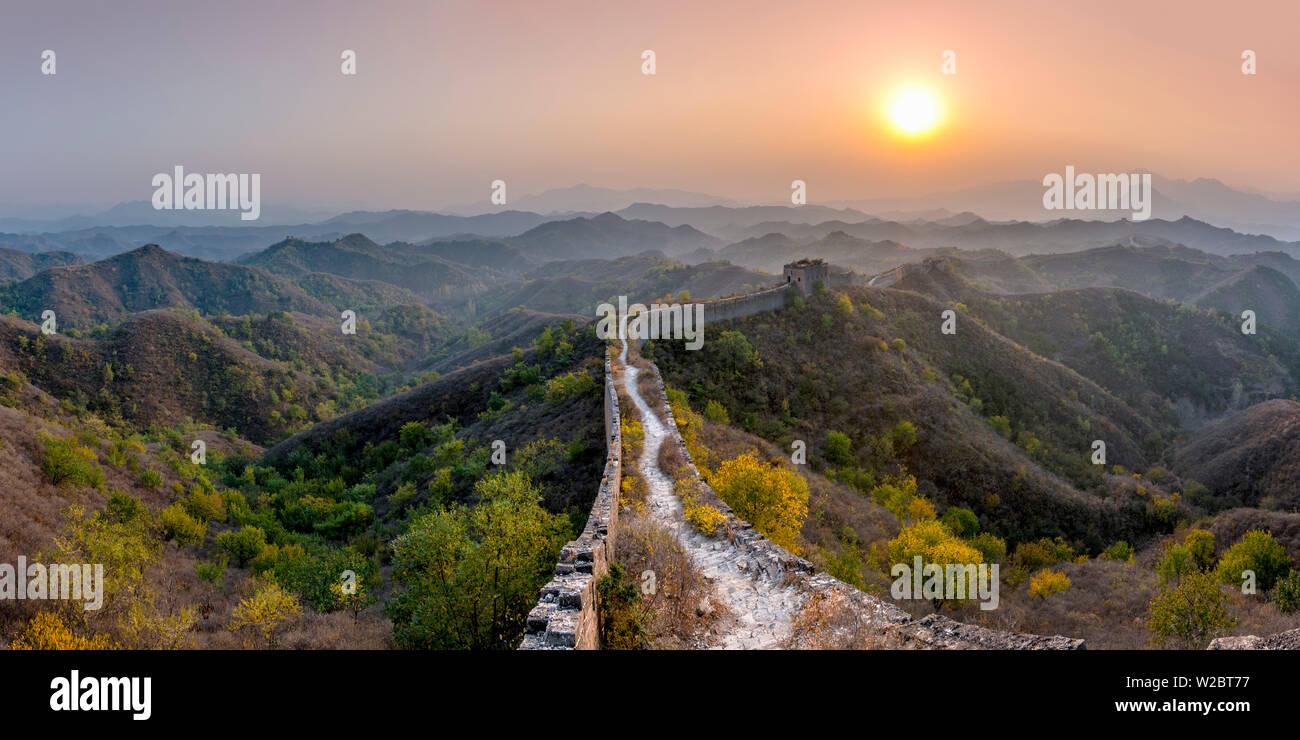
x,y
748,96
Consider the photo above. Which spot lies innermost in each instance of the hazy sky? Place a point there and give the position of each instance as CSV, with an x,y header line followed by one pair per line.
x,y
748,96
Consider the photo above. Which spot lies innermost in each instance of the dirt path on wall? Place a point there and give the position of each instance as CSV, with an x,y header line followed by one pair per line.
x,y
762,609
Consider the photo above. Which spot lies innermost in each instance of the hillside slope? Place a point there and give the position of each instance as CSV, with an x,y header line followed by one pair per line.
x,y
83,296
1249,458
997,429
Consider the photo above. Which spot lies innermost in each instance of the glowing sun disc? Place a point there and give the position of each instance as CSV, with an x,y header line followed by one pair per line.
x,y
913,111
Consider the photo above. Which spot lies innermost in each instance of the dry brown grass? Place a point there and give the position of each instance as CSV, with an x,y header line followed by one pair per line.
x,y
32,514
672,461
682,609
830,623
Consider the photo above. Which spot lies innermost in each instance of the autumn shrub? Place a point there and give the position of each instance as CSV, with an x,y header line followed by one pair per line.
x,y
899,496
772,498
1189,614
68,461
179,526
1257,552
716,413
1048,582
831,622
703,517
205,504
1120,552
690,427
47,630
673,590
266,613
933,543
1286,594
242,545
468,576
622,620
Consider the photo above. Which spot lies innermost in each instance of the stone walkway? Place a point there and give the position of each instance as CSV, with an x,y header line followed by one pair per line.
x,y
761,606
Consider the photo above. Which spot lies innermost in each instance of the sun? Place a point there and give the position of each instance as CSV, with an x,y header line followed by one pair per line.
x,y
914,111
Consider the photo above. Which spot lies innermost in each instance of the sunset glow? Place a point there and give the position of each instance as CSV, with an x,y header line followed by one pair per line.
x,y
914,111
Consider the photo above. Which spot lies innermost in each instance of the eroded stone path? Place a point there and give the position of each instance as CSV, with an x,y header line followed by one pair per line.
x,y
762,605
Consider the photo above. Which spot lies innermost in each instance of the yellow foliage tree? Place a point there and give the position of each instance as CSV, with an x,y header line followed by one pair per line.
x,y
1047,583
689,425
931,540
48,631
266,611
702,516
772,498
902,500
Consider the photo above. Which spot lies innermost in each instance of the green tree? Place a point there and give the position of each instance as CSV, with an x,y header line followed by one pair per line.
x,y
904,434
468,576
354,598
123,508
735,351
1120,552
992,547
1286,594
622,620
839,448
1258,552
1200,547
69,461
1175,564
1189,614
716,413
179,526
243,545
267,612
962,522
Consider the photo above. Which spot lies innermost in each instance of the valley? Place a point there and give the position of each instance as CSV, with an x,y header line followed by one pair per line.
x,y
458,432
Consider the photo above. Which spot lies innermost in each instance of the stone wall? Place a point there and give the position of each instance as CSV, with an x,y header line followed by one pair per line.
x,y
892,627
566,614
768,299
746,305
1289,640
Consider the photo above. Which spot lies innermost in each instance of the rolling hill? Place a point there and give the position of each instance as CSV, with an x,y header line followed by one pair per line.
x,y
108,291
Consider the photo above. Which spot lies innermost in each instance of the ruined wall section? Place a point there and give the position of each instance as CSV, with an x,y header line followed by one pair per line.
x,y
893,628
566,614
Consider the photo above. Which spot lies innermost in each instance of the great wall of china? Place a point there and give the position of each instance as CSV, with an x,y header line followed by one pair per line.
x,y
565,616
763,584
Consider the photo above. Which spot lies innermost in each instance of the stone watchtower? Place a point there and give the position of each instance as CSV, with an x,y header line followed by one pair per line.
x,y
805,273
